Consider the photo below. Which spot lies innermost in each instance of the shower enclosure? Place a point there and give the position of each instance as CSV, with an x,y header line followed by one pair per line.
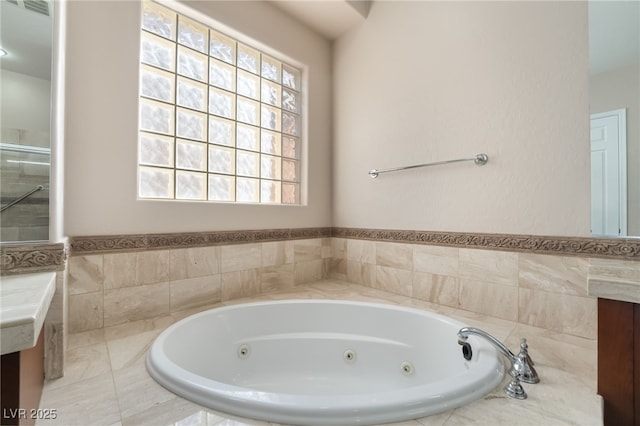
x,y
26,29
24,185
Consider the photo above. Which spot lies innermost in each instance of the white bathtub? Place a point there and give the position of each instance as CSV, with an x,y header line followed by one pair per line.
x,y
312,362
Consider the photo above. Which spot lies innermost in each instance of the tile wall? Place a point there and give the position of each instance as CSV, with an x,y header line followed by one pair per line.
x,y
55,331
114,288
547,291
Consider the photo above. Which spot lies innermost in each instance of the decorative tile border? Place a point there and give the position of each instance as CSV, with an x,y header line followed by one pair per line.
x,y
109,243
31,258
620,248
51,257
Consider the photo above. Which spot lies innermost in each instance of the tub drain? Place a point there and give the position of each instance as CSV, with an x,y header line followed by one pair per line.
x,y
406,368
349,356
243,351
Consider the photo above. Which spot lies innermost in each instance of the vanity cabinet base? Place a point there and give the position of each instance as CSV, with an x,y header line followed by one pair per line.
x,y
619,361
22,380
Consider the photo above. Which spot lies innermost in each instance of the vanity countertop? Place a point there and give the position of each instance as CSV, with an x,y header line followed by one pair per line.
x,y
24,302
615,279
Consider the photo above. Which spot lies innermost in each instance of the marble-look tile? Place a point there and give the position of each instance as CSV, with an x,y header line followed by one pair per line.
x,y
395,255
497,327
572,315
143,327
498,409
375,297
85,338
326,268
435,419
611,289
135,303
277,253
86,311
240,257
310,271
579,406
56,329
83,363
54,348
177,316
339,248
194,262
139,268
85,274
361,273
326,251
440,289
540,309
204,418
361,251
192,292
573,355
88,402
277,277
128,343
580,316
497,300
235,285
412,302
328,289
620,270
496,267
583,344
436,260
556,274
152,266
393,280
336,268
119,270
614,279
307,250
138,391
174,412
305,293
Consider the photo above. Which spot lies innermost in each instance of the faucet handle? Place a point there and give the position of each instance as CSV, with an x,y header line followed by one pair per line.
x,y
527,374
514,389
524,347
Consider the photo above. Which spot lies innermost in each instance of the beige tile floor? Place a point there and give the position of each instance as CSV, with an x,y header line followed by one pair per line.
x,y
106,382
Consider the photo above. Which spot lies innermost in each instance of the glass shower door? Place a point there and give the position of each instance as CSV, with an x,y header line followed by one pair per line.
x,y
24,186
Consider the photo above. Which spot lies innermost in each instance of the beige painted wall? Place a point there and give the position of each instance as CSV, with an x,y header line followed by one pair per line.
x,y
102,45
429,81
618,89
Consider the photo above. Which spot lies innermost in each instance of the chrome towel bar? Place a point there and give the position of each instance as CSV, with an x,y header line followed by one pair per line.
x,y
478,159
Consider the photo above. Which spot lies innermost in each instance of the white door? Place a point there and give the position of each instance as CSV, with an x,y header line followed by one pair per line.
x,y
608,173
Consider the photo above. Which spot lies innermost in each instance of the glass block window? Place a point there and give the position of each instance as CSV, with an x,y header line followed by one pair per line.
x,y
219,119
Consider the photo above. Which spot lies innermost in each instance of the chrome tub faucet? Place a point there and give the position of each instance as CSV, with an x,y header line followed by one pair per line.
x,y
521,368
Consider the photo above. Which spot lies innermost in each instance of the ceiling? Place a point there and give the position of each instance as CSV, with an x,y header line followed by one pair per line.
x,y
25,33
614,30
330,18
614,26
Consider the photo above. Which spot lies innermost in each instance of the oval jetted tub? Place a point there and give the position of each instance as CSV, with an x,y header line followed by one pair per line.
x,y
313,362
